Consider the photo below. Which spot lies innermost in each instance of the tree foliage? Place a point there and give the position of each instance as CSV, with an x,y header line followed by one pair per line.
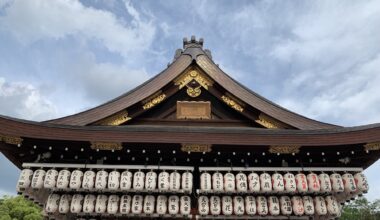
x,y
361,209
12,208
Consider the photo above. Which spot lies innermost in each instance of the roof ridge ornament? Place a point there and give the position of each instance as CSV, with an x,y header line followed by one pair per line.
x,y
192,47
192,43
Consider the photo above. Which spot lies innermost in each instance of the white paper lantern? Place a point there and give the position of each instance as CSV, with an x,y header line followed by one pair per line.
x,y
175,181
89,203
349,183
76,179
187,181
250,205
101,179
138,180
320,205
203,205
325,182
125,204
215,205
333,208
113,204
173,205
290,183
337,182
185,205
126,180
361,182
301,182
161,207
227,205
278,182
64,204
274,206
241,182
262,205
313,182
137,204
239,205
63,179
150,180
308,205
88,179
217,182
149,204
205,181
229,182
254,182
286,205
25,179
101,204
163,181
38,179
51,179
76,203
298,208
265,182
114,180
52,203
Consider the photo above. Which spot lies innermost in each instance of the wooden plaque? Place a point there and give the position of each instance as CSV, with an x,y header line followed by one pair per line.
x,y
193,110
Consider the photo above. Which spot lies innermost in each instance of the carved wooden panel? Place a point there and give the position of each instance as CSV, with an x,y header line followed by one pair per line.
x,y
193,110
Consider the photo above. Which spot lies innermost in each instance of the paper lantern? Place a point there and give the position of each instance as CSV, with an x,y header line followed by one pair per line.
x,y
76,203
88,179
64,204
126,180
187,181
89,203
38,179
203,205
229,182
286,205
290,183
361,182
239,205
173,205
217,182
274,205
262,205
227,205
241,182
76,179
205,181
137,204
138,180
25,179
349,183
185,205
254,182
114,180
52,203
101,179
175,181
161,207
265,182
150,180
149,204
63,179
337,182
250,205
51,179
308,205
325,182
301,183
163,181
125,204
278,182
215,205
313,182
333,208
298,208
320,205
101,204
113,204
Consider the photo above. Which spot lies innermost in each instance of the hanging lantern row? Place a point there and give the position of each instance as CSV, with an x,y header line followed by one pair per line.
x,y
105,181
90,204
287,183
274,206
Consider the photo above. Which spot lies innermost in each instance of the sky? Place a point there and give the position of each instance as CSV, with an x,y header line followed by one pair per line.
x,y
320,59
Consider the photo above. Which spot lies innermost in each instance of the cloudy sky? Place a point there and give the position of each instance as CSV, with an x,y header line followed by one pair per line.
x,y
320,59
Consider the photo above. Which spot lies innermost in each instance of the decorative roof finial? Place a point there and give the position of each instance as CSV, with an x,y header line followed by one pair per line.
x,y
192,43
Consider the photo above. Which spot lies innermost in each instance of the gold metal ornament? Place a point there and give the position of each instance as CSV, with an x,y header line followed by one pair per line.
x,y
106,146
289,149
232,103
193,92
372,146
11,140
196,148
154,101
186,78
266,121
116,119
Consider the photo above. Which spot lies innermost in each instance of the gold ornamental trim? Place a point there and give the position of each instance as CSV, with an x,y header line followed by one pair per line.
x,y
10,139
289,149
196,148
372,146
106,146
193,92
232,103
191,75
116,119
154,101
266,121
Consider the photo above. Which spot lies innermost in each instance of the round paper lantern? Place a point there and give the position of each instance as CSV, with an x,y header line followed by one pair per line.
x,y
137,204
290,183
173,205
38,179
203,205
274,205
185,205
239,205
114,180
298,208
217,182
163,181
51,179
320,205
161,207
301,183
227,205
333,208
149,204
205,181
150,180
278,182
52,203
101,204
250,205
361,182
325,182
313,182
125,204
308,205
101,179
215,206
126,180
64,204
175,181
254,182
63,179
241,182
113,204
76,203
89,203
337,182
187,181
25,179
286,205
349,183
229,182
88,179
262,205
265,182
76,179
138,180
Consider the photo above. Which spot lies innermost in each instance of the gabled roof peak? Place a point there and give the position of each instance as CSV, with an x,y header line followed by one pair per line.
x,y
193,48
192,43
